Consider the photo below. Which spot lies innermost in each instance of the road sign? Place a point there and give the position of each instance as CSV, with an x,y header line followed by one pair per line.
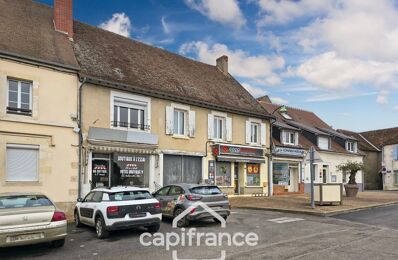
x,y
317,157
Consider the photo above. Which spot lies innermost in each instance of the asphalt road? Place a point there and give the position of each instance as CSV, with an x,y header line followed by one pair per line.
x,y
281,236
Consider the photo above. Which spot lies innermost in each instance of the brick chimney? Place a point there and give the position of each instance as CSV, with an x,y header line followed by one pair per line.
x,y
222,64
63,18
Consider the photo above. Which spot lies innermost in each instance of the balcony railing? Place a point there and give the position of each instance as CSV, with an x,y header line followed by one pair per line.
x,y
127,125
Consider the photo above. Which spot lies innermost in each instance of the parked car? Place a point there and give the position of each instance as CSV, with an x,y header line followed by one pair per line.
x,y
176,198
30,218
114,208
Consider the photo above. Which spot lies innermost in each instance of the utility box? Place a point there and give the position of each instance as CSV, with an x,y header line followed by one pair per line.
x,y
328,193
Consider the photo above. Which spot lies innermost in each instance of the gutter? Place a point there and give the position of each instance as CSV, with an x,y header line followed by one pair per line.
x,y
80,126
270,170
162,95
38,62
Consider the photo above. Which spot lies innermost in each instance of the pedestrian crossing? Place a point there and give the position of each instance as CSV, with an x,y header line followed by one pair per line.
x,y
284,220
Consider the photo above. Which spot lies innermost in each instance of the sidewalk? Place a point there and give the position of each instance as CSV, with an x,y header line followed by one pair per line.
x,y
301,203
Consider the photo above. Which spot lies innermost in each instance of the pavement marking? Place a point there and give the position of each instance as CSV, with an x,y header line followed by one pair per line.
x,y
284,220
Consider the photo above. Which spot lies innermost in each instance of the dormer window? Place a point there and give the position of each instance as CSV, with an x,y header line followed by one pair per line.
x,y
286,116
351,146
323,143
289,137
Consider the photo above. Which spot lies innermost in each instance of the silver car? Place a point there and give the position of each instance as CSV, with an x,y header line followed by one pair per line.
x,y
30,218
174,199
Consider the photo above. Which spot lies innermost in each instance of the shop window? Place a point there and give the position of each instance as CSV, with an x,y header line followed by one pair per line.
x,y
179,122
130,112
22,162
281,174
19,97
223,174
253,174
130,170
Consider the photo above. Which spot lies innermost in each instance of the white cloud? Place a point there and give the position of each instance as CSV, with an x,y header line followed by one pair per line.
x,y
165,26
258,68
223,11
382,97
331,71
279,100
119,23
255,91
337,96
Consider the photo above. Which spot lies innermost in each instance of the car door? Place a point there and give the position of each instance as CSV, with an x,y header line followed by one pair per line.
x,y
84,209
161,195
94,205
172,197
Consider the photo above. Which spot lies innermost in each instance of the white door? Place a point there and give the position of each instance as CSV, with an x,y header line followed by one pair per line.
x,y
293,179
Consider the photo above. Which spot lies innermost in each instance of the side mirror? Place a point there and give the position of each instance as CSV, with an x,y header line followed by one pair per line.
x,y
79,200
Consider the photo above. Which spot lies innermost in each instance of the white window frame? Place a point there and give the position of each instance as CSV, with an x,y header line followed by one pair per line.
x,y
26,147
179,125
286,116
134,102
287,137
255,139
328,148
216,129
19,93
351,147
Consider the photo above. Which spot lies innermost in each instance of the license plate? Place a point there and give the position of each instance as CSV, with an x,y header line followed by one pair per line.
x,y
137,215
24,237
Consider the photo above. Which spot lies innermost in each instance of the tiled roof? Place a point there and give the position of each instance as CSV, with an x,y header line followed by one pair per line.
x,y
27,30
363,144
111,57
382,137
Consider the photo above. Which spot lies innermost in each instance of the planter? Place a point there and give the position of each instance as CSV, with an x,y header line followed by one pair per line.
x,y
351,190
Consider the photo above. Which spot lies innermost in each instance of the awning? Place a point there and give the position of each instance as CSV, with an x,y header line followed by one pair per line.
x,y
223,158
118,149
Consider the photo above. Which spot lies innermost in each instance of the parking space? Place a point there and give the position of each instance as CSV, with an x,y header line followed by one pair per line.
x,y
281,236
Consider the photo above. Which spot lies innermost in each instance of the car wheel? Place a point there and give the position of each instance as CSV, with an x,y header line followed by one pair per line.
x,y
153,228
218,221
182,222
77,220
58,243
100,228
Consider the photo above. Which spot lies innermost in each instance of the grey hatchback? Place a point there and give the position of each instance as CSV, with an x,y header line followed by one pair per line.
x,y
176,198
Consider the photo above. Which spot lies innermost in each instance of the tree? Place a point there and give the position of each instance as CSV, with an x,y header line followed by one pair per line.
x,y
352,168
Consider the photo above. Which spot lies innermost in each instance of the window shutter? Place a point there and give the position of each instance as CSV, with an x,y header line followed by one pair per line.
x,y
262,135
169,120
248,132
191,123
228,129
22,163
296,141
210,126
283,137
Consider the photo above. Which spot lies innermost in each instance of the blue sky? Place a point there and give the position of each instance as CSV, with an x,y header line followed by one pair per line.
x,y
338,58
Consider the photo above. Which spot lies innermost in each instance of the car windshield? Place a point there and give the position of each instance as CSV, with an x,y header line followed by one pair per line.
x,y
24,201
130,195
206,190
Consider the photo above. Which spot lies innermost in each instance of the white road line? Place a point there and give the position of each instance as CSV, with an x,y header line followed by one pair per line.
x,y
284,220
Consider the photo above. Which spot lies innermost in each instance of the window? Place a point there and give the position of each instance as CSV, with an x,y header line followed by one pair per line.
x,y
286,116
19,97
22,163
289,137
223,174
24,201
176,190
130,112
254,133
130,195
323,143
179,122
206,190
395,153
163,191
218,130
351,147
253,174
396,176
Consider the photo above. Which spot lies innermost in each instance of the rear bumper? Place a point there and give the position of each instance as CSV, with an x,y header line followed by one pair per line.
x,y
206,215
134,223
48,233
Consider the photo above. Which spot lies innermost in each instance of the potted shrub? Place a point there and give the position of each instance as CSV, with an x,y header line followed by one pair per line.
x,y
351,168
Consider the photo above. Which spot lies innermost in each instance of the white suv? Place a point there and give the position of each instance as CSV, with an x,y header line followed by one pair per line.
x,y
115,208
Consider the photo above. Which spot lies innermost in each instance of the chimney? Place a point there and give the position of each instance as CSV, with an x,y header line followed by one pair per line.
x,y
222,64
63,18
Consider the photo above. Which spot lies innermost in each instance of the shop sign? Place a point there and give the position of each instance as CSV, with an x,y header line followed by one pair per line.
x,y
289,151
100,173
131,166
221,149
253,168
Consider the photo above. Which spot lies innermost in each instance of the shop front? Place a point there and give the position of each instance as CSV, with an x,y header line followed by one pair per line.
x,y
287,173
238,169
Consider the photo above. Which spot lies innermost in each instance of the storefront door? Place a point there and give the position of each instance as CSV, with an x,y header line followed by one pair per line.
x,y
236,178
100,169
293,181
182,169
